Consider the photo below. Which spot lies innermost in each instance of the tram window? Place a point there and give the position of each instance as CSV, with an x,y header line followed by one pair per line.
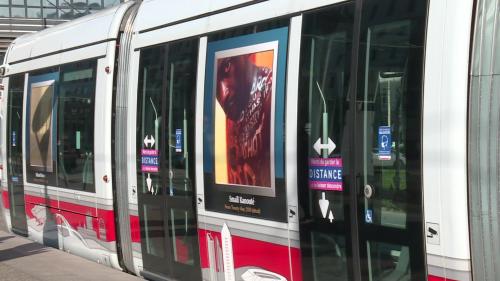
x,y
385,97
15,117
181,77
75,129
149,120
323,114
4,12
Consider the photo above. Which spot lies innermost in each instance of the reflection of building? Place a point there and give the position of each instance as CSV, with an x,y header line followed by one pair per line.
x,y
18,17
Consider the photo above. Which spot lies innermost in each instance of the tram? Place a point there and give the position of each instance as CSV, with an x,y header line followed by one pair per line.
x,y
251,140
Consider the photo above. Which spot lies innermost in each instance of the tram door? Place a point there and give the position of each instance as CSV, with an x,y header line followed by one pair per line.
x,y
360,192
165,161
15,177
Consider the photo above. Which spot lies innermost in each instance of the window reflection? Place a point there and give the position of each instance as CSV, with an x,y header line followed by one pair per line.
x,y
18,12
63,9
35,3
4,12
387,48
149,122
34,13
325,69
76,126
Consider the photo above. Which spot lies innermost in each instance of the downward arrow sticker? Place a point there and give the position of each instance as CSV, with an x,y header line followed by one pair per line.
x,y
323,205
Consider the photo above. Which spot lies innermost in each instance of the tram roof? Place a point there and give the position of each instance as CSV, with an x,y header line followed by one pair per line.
x,y
104,25
157,13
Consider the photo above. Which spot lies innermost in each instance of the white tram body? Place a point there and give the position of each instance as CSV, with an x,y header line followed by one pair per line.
x,y
128,168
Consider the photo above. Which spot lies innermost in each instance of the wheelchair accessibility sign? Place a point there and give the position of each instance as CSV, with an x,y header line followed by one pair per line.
x,y
369,216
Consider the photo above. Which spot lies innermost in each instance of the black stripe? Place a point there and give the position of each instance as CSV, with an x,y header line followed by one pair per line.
x,y
203,15
62,51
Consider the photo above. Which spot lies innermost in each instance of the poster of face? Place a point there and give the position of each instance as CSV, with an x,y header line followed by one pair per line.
x,y
243,137
243,118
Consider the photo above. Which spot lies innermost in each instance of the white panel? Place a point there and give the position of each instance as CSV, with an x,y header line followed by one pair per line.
x,y
445,126
102,130
3,132
246,15
200,96
131,134
58,59
292,97
89,29
152,13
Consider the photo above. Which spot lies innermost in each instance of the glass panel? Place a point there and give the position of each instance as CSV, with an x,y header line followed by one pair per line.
x,y
18,12
14,152
34,3
4,12
34,13
329,256
385,121
108,3
17,2
181,74
49,3
80,7
65,3
149,121
76,126
184,235
388,261
154,230
95,5
389,137
65,14
50,13
4,2
324,141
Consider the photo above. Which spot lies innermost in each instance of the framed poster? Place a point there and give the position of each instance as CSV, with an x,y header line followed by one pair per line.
x,y
244,125
41,116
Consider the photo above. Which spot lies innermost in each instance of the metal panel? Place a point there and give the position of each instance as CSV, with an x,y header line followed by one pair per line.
x,y
483,150
121,112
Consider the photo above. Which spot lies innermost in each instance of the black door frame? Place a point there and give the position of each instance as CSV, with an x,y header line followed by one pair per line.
x,y
170,269
19,223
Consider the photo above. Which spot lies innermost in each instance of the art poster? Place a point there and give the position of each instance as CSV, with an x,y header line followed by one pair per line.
x,y
244,123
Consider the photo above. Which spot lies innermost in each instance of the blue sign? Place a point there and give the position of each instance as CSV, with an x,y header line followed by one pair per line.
x,y
15,179
14,138
150,160
369,216
384,143
178,140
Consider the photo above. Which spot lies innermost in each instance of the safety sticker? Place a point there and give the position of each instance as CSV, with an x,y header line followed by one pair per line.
x,y
325,174
150,161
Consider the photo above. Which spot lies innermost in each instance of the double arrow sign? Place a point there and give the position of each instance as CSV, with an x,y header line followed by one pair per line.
x,y
330,146
149,141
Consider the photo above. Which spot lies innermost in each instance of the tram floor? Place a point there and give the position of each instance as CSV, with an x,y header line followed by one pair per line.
x,y
24,260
